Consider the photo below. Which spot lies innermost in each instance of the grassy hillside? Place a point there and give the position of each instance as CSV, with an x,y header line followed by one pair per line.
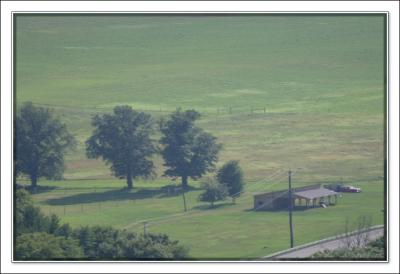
x,y
228,231
279,92
319,78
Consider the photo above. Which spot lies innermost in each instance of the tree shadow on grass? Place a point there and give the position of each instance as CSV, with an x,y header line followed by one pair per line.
x,y
118,195
40,189
297,208
216,206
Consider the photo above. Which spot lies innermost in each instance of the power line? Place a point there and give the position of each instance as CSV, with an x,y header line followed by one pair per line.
x,y
269,202
196,213
290,209
259,182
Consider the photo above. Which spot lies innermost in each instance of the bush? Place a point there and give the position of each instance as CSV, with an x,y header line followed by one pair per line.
x,y
213,192
374,250
231,175
29,218
39,237
45,246
107,243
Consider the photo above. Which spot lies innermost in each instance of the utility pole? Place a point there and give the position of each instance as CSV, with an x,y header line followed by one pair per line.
x,y
290,209
184,199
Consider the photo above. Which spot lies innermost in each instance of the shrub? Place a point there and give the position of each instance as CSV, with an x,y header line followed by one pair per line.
x,y
213,192
29,218
39,237
107,243
374,250
231,175
45,246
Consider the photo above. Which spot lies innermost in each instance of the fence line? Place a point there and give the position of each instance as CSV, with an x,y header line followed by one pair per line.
x,y
217,111
99,206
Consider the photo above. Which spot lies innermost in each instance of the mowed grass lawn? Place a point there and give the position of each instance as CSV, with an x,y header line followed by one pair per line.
x,y
228,231
279,92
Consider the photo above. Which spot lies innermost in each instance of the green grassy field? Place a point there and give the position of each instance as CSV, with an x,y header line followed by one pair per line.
x,y
228,231
279,92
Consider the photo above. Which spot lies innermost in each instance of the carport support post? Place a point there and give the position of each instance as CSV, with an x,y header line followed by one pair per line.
x,y
290,209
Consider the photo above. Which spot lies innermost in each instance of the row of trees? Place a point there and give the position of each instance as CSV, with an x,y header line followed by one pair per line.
x,y
123,139
40,237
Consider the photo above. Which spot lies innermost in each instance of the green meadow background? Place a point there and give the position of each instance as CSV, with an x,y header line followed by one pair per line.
x,y
300,92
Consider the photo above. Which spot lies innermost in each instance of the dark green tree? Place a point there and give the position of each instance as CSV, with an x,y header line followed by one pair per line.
x,y
187,150
41,141
231,175
29,218
45,246
123,141
213,192
40,237
107,243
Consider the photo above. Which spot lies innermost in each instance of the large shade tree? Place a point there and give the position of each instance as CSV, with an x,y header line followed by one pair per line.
x,y
187,150
122,139
41,141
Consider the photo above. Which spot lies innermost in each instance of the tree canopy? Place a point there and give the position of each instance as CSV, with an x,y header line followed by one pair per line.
x,y
29,218
40,237
187,150
41,141
231,175
45,246
213,192
123,141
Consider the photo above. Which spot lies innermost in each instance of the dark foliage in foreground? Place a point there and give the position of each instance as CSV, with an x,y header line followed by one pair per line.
x,y
29,218
39,237
44,246
107,243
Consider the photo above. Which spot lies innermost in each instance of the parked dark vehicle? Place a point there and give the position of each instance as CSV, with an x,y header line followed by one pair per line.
x,y
343,188
349,189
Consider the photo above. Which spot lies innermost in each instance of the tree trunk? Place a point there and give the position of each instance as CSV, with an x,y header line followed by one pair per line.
x,y
129,180
185,182
33,181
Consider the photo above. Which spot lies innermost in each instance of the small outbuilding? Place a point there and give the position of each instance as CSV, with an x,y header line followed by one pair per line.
x,y
312,196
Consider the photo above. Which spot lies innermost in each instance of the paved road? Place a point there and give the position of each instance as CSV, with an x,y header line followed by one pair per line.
x,y
328,245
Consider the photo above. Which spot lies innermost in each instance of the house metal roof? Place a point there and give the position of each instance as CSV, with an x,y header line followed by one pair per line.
x,y
314,193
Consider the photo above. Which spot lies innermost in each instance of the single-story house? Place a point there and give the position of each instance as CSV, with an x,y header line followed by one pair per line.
x,y
312,196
